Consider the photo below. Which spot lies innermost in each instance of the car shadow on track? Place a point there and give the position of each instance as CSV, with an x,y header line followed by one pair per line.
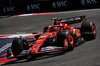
x,y
38,58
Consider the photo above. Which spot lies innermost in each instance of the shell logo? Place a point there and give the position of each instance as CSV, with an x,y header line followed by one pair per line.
x,y
77,33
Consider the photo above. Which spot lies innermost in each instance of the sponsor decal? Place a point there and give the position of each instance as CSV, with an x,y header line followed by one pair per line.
x,y
44,48
33,6
43,36
83,2
77,33
9,9
54,5
39,40
91,1
71,19
65,20
49,48
55,34
87,33
25,51
73,31
59,4
88,2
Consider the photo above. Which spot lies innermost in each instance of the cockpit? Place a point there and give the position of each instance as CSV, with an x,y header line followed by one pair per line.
x,y
52,28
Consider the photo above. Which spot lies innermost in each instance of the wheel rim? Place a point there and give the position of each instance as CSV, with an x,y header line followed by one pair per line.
x,y
65,43
71,40
94,30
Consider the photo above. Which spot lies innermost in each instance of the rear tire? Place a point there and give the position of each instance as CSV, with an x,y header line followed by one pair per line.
x,y
88,30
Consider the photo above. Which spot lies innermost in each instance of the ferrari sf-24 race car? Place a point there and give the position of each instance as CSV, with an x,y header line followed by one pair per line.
x,y
59,37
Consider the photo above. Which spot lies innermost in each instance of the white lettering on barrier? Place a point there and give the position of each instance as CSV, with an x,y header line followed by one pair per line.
x,y
54,5
84,2
59,4
62,3
33,6
8,9
91,1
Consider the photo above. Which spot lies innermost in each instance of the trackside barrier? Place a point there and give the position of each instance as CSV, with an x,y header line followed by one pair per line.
x,y
11,7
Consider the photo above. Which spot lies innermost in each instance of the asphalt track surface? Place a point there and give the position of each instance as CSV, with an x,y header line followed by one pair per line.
x,y
87,54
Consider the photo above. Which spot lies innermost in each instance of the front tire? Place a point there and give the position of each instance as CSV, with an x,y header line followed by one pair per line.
x,y
18,45
66,40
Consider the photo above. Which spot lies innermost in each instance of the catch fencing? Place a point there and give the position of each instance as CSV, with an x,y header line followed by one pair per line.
x,y
12,7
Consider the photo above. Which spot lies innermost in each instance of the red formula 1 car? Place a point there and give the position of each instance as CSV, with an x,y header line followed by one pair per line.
x,y
59,37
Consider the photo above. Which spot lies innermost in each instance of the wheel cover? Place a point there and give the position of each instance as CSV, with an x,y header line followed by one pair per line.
x,y
71,40
94,30
65,43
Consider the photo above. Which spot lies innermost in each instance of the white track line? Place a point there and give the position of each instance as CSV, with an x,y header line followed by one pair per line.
x,y
62,12
16,35
77,11
33,14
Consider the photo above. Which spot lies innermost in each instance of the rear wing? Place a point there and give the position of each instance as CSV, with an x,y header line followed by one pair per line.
x,y
70,20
